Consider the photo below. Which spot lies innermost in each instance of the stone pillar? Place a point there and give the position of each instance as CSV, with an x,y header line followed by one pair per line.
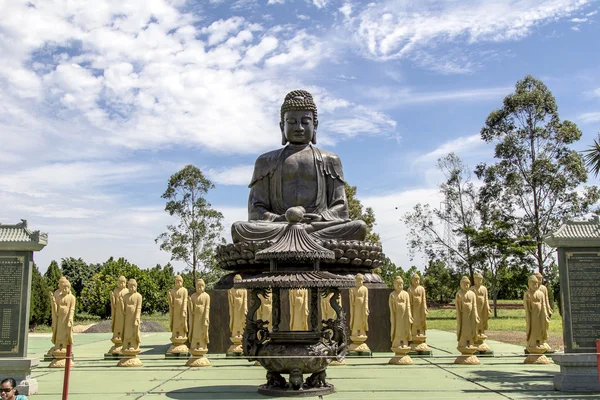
x,y
17,244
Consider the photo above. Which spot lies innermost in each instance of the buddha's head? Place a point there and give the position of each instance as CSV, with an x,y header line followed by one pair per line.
x,y
237,278
415,280
200,285
465,283
478,278
398,284
298,118
122,282
539,277
64,285
178,282
132,286
533,283
359,280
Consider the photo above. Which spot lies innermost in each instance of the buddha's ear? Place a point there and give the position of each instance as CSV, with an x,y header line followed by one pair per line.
x,y
283,138
314,138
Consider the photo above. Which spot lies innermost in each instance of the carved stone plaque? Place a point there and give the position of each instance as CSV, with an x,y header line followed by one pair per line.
x,y
583,278
14,303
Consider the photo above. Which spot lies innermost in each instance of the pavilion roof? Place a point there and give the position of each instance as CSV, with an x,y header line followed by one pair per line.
x,y
19,237
576,234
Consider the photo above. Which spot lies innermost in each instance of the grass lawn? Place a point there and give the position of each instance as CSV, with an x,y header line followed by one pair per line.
x,y
508,327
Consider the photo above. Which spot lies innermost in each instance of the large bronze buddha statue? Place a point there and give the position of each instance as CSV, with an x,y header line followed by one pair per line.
x,y
298,175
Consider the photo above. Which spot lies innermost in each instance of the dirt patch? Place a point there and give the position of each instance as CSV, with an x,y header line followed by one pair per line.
x,y
555,340
81,328
104,327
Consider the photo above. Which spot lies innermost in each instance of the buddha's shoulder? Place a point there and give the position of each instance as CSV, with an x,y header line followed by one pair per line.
x,y
268,156
326,154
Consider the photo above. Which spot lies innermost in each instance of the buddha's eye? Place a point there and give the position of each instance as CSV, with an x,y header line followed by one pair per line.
x,y
291,120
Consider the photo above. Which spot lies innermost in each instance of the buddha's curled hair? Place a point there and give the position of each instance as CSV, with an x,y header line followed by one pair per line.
x,y
299,100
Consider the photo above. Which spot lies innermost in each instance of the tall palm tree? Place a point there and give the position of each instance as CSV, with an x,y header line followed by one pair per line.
x,y
592,157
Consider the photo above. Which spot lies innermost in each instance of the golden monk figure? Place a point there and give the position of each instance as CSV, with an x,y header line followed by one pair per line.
x,y
400,321
298,174
537,319
298,309
199,306
53,296
265,311
544,290
63,309
328,312
117,314
418,308
466,323
359,316
178,321
132,302
483,311
238,308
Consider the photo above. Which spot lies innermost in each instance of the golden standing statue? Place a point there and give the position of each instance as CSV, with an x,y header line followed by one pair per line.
x,y
537,319
178,322
483,311
466,323
199,305
265,311
132,302
418,306
53,296
238,308
400,321
359,316
63,309
327,312
298,309
117,313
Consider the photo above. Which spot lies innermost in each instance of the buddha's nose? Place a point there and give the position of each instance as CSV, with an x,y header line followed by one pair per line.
x,y
299,127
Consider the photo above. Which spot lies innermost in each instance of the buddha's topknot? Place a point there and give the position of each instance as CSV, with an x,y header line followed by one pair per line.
x,y
298,100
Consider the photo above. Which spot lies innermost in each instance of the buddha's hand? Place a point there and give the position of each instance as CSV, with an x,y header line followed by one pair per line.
x,y
309,218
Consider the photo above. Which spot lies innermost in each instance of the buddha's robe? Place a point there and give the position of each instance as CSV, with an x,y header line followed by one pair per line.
x,y
418,304
483,307
298,309
297,176
65,310
133,312
400,318
117,312
178,312
238,308
466,318
199,304
359,311
536,317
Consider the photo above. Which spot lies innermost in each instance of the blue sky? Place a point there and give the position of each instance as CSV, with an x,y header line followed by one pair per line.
x,y
100,102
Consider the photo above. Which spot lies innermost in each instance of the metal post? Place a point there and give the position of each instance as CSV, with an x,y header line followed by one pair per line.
x,y
598,356
65,393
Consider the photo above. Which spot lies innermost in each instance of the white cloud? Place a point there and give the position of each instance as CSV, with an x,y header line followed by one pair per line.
x,y
395,29
459,145
276,2
238,175
589,117
346,10
593,93
320,3
578,20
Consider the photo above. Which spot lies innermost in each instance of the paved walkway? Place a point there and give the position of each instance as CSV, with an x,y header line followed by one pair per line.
x,y
502,377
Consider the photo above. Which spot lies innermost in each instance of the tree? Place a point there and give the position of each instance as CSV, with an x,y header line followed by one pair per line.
x,y
440,282
39,303
536,175
52,275
592,157
443,233
356,212
197,232
497,252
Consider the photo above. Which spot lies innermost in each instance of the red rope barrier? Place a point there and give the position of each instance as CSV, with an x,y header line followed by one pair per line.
x,y
65,393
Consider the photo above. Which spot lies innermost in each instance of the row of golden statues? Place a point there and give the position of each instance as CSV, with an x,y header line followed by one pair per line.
x,y
189,319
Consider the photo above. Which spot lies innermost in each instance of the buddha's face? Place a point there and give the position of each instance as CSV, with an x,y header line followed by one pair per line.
x,y
478,280
298,126
200,286
398,285
416,280
122,283
359,280
533,284
465,284
178,282
132,286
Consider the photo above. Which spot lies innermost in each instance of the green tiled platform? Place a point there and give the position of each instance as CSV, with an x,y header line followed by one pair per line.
x,y
502,377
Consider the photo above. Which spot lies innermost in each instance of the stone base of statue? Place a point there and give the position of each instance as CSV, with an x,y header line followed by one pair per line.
x,y
536,355
546,345
358,347
418,347
198,359
115,352
130,358
578,372
235,350
48,356
483,350
60,358
335,363
178,346
467,356
305,392
401,356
